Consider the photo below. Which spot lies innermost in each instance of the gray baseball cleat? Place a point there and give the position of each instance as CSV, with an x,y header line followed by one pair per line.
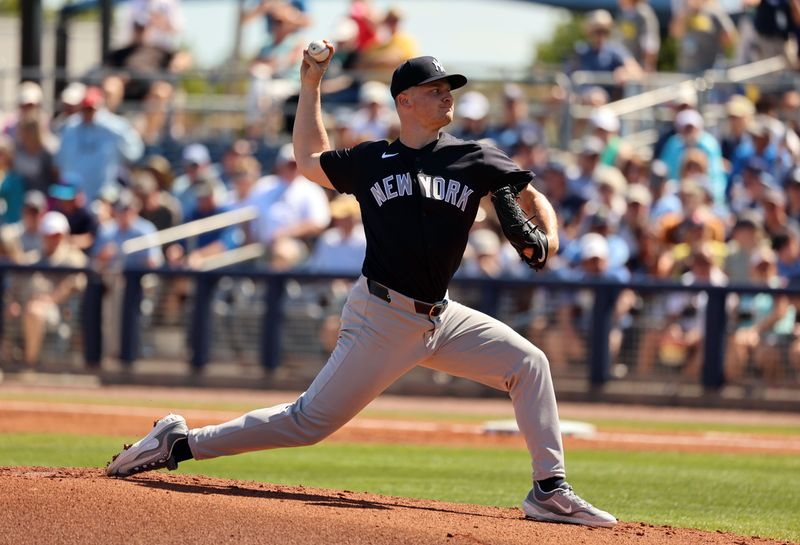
x,y
153,451
564,505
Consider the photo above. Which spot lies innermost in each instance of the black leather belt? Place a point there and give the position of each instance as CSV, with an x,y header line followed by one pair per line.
x,y
431,310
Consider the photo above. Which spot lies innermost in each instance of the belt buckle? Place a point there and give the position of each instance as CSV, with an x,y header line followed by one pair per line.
x,y
437,309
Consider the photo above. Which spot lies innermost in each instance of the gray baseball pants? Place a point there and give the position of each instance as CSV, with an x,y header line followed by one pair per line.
x,y
379,342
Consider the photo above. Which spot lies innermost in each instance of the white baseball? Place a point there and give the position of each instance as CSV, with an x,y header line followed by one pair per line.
x,y
318,50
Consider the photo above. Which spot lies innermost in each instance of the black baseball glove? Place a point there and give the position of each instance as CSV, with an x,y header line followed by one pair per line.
x,y
519,230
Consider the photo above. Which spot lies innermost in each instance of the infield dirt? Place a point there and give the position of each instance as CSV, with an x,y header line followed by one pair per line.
x,y
81,506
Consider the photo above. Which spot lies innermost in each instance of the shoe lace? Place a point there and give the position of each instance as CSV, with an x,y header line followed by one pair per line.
x,y
573,497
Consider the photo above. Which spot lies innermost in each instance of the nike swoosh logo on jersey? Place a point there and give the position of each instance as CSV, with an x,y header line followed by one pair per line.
x,y
385,155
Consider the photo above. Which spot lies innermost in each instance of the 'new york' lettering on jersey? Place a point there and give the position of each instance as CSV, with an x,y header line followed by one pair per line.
x,y
431,187
418,205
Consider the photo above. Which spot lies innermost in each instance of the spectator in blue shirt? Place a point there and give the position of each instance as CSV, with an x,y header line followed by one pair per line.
x,y
96,145
210,243
787,248
566,341
690,134
516,125
760,142
600,54
126,225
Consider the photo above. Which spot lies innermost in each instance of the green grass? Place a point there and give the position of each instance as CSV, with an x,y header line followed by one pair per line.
x,y
427,415
744,494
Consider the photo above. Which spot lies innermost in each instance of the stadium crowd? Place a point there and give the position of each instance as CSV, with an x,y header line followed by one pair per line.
x,y
711,201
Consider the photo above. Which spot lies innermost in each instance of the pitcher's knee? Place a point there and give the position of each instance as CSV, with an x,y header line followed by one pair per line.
x,y
314,429
532,365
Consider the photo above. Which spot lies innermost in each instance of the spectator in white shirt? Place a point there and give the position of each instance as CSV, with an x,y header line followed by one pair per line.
x,y
290,206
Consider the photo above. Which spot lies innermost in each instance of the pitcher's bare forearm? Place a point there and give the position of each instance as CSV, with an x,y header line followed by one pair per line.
x,y
535,204
308,135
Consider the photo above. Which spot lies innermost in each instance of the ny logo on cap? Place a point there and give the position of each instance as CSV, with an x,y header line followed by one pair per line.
x,y
437,65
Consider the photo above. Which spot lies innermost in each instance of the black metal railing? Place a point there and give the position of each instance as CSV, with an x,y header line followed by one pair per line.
x,y
199,330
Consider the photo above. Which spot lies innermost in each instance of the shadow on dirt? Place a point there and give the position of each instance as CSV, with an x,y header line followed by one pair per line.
x,y
334,499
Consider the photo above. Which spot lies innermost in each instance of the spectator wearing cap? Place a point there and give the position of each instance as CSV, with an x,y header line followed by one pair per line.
x,y
162,19
482,258
552,182
290,206
275,72
33,159
601,54
71,202
694,229
566,342
611,187
71,98
678,338
529,153
12,185
605,125
602,222
144,72
342,247
516,122
140,65
664,191
374,118
747,189
638,31
776,220
703,31
635,166
246,182
126,225
472,111
197,168
765,323
272,14
210,243
231,157
636,218
685,99
47,295
108,257
392,47
745,237
97,145
25,236
759,141
740,112
158,207
29,106
691,134
583,179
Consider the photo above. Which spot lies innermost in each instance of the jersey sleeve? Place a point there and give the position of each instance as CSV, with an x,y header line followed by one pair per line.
x,y
342,167
502,171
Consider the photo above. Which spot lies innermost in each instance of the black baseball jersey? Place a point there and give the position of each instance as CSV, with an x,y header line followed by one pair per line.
x,y
418,205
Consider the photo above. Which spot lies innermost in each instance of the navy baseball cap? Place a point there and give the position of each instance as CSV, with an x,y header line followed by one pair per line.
x,y
421,70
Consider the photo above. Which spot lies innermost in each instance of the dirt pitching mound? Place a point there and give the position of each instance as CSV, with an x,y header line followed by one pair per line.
x,y
78,506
